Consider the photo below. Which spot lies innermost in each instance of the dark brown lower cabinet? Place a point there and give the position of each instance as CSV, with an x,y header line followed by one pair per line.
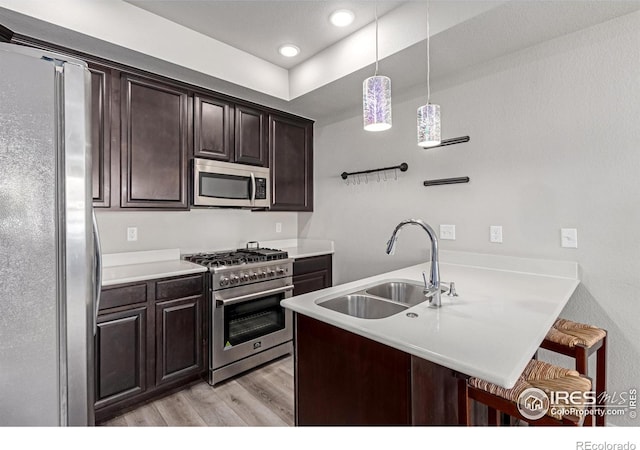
x,y
121,355
345,379
150,339
312,274
178,339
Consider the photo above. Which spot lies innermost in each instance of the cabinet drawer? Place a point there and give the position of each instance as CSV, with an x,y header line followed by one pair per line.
x,y
122,296
179,287
311,264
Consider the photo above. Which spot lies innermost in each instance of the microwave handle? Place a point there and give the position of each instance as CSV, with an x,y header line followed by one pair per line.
x,y
253,189
243,298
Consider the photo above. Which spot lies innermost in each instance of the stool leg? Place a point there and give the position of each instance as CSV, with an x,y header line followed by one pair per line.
x,y
582,366
601,378
464,403
493,417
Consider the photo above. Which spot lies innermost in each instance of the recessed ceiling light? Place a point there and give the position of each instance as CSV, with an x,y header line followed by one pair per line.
x,y
342,17
289,50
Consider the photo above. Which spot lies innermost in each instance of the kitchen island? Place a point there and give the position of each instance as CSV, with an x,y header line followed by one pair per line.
x,y
404,369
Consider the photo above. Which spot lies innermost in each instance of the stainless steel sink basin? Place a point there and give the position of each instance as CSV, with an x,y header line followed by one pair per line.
x,y
363,306
399,291
411,294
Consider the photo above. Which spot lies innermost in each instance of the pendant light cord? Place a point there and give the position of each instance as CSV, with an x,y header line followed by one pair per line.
x,y
376,16
428,63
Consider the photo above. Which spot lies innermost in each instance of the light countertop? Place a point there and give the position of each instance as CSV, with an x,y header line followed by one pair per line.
x,y
301,248
118,268
491,330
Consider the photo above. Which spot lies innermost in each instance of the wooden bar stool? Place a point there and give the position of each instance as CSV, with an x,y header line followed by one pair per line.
x,y
580,341
537,374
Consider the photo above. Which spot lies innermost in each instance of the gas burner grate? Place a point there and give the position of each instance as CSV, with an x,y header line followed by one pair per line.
x,y
236,257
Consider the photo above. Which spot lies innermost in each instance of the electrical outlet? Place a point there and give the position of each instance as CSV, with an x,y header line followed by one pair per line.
x,y
132,234
278,227
495,234
569,237
448,232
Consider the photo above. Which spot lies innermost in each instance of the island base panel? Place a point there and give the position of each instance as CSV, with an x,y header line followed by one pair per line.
x,y
345,379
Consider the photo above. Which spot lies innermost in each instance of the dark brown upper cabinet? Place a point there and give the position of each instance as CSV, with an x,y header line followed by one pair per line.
x,y
291,162
251,137
101,134
213,128
153,144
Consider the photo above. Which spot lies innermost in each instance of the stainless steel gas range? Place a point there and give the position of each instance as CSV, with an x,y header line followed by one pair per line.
x,y
247,325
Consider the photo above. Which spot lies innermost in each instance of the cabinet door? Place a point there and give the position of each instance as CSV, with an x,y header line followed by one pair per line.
x,y
153,145
101,134
291,162
213,126
178,339
250,137
312,274
310,282
120,357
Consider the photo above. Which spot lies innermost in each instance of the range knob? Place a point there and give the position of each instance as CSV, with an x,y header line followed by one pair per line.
x,y
234,279
280,271
253,276
224,281
244,277
270,273
262,275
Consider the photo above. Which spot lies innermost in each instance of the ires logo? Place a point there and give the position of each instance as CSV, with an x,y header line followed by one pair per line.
x,y
573,398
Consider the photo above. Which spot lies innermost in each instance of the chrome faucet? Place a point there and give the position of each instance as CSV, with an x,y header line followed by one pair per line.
x,y
432,287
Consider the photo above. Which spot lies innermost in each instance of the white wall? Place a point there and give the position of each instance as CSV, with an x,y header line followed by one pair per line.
x,y
554,143
190,231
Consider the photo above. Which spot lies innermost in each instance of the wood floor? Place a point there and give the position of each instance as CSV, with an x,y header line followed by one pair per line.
x,y
262,397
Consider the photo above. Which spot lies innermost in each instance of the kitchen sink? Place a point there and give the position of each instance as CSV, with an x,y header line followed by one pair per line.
x,y
363,306
401,291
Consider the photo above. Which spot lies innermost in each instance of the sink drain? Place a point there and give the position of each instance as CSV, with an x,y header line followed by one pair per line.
x,y
412,315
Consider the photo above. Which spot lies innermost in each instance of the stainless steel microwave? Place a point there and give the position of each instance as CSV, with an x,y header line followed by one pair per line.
x,y
218,183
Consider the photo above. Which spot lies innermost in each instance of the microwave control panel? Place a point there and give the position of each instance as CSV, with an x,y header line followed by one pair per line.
x,y
261,188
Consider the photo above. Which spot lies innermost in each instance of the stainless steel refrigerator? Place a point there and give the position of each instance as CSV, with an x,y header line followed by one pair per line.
x,y
49,250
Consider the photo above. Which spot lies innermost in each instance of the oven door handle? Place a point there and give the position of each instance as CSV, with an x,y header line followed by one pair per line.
x,y
243,298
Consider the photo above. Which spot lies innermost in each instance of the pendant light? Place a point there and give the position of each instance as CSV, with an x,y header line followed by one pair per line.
x,y
376,96
429,114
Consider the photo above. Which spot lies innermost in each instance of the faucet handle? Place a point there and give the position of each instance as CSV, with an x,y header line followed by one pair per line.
x,y
452,290
424,277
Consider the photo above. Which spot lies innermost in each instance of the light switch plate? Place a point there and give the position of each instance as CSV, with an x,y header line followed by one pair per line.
x,y
278,227
569,237
448,232
495,234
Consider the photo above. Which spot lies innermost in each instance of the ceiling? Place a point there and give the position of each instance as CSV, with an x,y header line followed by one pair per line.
x,y
260,27
231,46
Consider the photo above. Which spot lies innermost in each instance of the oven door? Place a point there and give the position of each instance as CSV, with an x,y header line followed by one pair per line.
x,y
249,319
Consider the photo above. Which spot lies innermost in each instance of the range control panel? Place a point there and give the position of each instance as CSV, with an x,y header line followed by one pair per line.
x,y
250,273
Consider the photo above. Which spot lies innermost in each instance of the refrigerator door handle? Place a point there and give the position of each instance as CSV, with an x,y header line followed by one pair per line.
x,y
98,272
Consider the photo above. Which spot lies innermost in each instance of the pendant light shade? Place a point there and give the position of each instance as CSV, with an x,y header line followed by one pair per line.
x,y
429,125
429,114
376,103
376,96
